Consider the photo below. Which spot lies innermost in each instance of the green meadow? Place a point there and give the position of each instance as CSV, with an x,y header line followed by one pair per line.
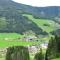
x,y
45,24
13,39
56,59
10,35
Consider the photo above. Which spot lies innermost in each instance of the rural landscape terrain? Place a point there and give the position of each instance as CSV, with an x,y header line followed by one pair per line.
x,y
29,33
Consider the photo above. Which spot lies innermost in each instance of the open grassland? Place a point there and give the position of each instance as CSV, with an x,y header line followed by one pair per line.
x,y
10,35
2,58
13,39
16,43
56,59
45,24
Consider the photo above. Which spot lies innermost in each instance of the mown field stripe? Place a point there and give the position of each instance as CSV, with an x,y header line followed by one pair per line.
x,y
16,43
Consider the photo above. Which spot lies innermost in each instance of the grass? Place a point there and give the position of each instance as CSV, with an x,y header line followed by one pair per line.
x,y
10,35
2,58
13,39
56,59
40,23
16,43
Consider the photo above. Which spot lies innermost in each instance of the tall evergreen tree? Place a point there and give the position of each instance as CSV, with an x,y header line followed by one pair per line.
x,y
39,55
53,50
17,53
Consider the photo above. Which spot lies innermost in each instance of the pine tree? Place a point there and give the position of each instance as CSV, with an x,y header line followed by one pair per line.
x,y
17,53
39,55
53,50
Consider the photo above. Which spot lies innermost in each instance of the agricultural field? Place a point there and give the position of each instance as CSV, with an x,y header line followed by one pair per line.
x,y
5,36
13,39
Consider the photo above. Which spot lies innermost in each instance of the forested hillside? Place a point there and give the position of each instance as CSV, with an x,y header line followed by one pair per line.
x,y
12,19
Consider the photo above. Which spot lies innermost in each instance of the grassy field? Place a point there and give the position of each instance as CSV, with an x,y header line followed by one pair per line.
x,y
51,25
2,58
56,59
10,35
16,43
13,39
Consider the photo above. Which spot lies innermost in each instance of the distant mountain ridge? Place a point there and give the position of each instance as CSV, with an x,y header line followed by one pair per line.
x,y
50,11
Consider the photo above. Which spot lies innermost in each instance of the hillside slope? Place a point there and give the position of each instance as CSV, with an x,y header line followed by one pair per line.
x,y
12,19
